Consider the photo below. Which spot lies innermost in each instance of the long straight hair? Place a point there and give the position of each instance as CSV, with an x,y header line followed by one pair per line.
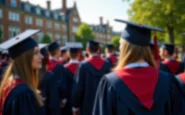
x,y
22,66
131,53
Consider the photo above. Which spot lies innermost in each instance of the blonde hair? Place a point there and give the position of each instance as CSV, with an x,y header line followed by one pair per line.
x,y
131,53
22,66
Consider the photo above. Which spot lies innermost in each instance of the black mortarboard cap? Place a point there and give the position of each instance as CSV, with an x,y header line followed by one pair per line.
x,y
137,34
53,46
169,47
93,45
43,49
74,47
21,43
110,46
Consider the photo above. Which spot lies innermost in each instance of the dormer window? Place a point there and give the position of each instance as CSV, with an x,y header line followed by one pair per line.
x,y
56,16
38,11
27,7
47,13
13,3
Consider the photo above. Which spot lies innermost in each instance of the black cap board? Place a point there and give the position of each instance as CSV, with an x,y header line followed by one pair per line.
x,y
21,43
137,34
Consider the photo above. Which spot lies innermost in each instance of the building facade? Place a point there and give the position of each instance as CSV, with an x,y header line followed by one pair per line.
x,y
102,32
60,24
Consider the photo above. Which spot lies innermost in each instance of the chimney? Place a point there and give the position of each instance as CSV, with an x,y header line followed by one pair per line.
x,y
49,5
101,21
64,7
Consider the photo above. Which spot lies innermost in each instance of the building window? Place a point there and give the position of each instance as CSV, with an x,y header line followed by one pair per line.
x,y
27,7
13,16
47,13
38,11
28,20
75,20
75,29
13,3
39,37
49,24
64,28
1,13
13,31
57,37
64,39
39,22
57,26
55,16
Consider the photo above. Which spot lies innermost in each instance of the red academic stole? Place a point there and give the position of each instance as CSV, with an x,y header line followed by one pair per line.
x,y
182,77
7,89
141,81
172,65
97,62
53,63
72,67
113,59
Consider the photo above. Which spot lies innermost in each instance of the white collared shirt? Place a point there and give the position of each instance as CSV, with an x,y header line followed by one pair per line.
x,y
53,58
74,61
94,55
134,65
171,59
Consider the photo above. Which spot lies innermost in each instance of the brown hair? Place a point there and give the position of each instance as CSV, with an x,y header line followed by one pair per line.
x,y
22,66
131,53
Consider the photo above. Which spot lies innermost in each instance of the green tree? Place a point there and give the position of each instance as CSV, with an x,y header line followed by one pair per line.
x,y
115,42
46,39
84,34
166,14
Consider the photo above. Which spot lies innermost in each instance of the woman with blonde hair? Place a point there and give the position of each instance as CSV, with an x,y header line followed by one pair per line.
x,y
136,86
18,91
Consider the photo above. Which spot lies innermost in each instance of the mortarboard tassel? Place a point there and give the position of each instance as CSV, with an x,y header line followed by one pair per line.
x,y
156,51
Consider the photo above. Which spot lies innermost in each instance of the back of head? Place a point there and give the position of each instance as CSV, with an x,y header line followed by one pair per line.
x,y
131,53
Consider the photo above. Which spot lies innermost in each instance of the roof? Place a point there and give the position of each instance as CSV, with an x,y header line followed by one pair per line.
x,y
69,11
98,28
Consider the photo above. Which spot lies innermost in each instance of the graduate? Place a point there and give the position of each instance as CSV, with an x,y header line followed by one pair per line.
x,y
136,86
154,49
87,77
71,68
181,86
166,52
111,55
18,91
54,49
64,55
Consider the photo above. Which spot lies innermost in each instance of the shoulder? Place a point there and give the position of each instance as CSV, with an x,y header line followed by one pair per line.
x,y
112,78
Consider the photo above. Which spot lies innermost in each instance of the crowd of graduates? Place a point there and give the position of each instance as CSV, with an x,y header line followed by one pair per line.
x,y
46,79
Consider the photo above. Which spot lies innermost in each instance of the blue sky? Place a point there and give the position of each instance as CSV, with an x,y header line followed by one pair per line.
x,y
91,10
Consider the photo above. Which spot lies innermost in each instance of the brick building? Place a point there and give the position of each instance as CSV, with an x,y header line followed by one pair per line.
x,y
102,32
60,24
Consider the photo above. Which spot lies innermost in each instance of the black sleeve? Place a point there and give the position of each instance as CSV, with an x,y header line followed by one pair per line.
x,y
79,86
105,101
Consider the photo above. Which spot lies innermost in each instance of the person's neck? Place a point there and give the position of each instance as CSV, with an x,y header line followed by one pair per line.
x,y
140,61
56,57
167,57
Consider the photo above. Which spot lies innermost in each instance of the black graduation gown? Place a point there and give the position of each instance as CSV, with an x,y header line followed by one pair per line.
x,y
174,66
164,68
58,88
70,78
45,92
21,101
87,79
181,88
112,60
114,97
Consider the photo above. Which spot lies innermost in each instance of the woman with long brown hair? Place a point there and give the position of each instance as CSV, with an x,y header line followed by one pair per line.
x,y
136,86
18,91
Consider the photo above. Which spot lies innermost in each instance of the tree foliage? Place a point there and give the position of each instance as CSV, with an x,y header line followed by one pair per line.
x,y
46,39
115,42
166,14
84,34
